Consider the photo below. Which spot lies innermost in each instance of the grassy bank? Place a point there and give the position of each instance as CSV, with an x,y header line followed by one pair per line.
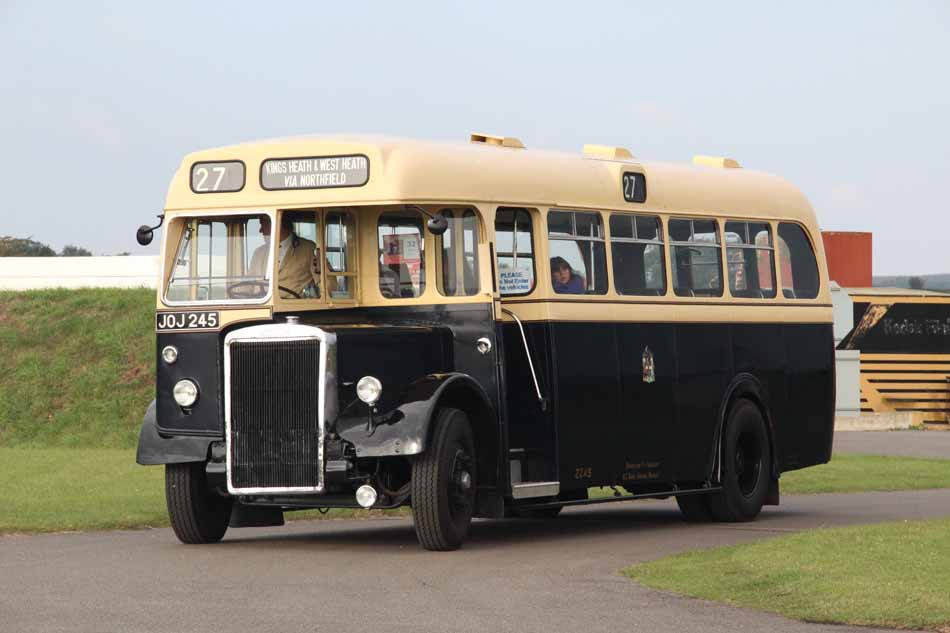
x,y
77,366
891,575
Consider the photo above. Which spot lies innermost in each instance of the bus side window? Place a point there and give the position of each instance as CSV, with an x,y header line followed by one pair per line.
x,y
514,251
578,252
401,254
458,266
696,258
797,259
750,259
340,262
639,260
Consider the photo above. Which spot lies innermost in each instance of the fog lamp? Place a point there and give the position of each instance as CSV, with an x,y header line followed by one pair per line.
x,y
185,393
368,389
366,496
170,354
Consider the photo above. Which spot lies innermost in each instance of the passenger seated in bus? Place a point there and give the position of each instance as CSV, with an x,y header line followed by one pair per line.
x,y
298,261
564,279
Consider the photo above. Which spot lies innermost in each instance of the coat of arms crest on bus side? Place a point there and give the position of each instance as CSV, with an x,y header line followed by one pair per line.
x,y
649,369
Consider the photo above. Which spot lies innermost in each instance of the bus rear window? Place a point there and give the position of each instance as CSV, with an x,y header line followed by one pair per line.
x,y
222,259
799,267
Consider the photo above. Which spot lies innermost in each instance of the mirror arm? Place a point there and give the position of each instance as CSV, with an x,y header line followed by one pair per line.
x,y
144,235
437,224
421,210
161,220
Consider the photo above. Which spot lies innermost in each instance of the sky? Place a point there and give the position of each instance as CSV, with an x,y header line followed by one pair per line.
x,y
850,101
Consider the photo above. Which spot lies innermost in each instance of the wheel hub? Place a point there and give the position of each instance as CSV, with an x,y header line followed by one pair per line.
x,y
461,491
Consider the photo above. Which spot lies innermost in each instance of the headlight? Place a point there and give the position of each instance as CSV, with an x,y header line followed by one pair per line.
x,y
366,496
368,389
185,392
170,354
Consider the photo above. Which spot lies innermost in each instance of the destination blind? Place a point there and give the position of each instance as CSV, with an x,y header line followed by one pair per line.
x,y
315,172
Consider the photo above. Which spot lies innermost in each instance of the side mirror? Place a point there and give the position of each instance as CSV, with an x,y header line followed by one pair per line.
x,y
437,224
144,235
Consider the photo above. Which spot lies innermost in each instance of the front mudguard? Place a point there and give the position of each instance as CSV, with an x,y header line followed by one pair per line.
x,y
403,430
156,449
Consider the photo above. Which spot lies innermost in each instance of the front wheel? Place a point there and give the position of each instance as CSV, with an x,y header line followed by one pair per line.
x,y
746,466
196,515
443,483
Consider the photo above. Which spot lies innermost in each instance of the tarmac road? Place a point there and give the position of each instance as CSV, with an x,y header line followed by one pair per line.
x,y
370,576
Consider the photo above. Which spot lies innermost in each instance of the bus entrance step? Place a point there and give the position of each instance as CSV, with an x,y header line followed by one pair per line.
x,y
532,489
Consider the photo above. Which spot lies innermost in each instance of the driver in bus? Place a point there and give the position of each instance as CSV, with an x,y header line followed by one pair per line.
x,y
298,261
564,279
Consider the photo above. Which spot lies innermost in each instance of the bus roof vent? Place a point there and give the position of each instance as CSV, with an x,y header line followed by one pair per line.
x,y
501,141
716,161
608,152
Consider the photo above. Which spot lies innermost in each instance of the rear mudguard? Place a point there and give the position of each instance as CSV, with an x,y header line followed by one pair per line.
x,y
404,430
156,449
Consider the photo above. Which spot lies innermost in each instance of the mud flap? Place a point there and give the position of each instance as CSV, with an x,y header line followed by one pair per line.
x,y
772,496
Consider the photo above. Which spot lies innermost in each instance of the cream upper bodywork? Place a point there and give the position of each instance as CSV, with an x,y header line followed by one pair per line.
x,y
485,176
411,170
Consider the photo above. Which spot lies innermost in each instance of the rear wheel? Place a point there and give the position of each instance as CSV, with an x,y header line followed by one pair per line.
x,y
746,466
197,516
443,483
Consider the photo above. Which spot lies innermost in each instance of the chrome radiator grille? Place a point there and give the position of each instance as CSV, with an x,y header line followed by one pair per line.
x,y
274,442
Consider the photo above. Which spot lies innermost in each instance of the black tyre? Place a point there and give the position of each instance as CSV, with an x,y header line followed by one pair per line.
x,y
443,483
695,508
746,466
197,516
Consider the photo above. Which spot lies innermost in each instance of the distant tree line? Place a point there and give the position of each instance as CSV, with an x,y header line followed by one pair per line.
x,y
28,247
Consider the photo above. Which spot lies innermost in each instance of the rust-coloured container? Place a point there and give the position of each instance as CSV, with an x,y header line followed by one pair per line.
x,y
849,258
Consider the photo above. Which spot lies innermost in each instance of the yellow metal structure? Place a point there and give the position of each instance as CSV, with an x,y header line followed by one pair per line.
x,y
899,383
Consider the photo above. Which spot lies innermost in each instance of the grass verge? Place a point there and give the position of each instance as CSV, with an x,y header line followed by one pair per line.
x,y
865,473
890,575
77,367
63,489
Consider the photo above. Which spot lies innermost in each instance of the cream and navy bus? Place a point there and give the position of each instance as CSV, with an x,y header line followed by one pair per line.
x,y
480,330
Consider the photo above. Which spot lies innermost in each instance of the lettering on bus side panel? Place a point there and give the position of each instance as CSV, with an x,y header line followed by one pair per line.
x,y
314,172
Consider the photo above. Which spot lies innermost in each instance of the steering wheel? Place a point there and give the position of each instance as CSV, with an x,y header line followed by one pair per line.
x,y
290,292
261,287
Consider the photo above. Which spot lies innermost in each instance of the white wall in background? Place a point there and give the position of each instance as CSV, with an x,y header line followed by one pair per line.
x,y
32,273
